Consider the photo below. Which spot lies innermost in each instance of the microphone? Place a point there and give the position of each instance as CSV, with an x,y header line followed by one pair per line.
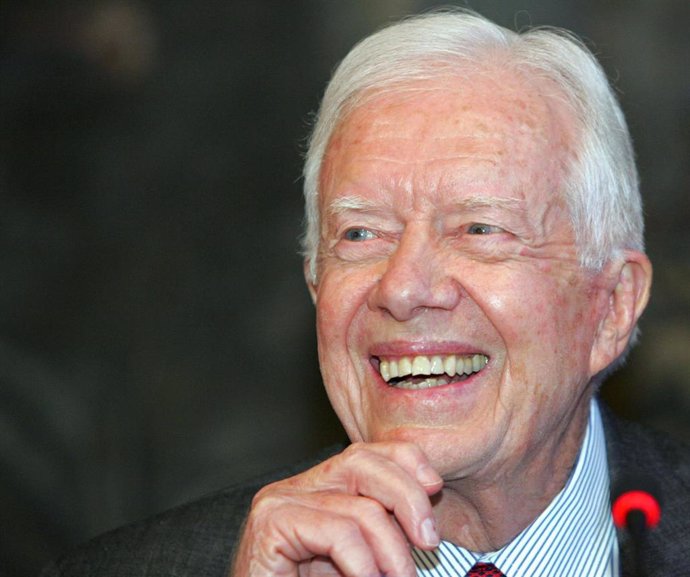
x,y
636,506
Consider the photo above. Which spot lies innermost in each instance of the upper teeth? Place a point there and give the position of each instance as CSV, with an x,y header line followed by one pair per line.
x,y
451,365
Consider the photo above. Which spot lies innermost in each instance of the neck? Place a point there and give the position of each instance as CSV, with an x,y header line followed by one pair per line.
x,y
486,511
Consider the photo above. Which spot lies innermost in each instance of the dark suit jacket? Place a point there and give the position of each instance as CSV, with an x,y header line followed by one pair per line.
x,y
633,450
197,539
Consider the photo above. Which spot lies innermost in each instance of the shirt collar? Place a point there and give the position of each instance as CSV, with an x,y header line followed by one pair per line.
x,y
573,536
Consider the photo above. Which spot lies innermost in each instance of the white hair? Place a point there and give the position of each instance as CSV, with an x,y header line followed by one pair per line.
x,y
601,188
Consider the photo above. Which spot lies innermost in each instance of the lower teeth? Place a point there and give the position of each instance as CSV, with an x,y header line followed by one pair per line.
x,y
426,383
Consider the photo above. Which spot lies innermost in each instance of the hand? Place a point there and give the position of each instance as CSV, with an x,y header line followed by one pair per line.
x,y
353,515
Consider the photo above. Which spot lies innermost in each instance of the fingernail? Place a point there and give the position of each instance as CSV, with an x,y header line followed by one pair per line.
x,y
427,476
429,535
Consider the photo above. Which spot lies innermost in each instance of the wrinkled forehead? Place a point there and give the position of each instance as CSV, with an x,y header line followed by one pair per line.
x,y
519,88
501,123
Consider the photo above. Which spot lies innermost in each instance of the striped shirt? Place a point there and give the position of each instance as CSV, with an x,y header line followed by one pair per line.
x,y
573,537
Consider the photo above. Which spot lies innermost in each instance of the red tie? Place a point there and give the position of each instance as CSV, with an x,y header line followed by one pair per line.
x,y
485,570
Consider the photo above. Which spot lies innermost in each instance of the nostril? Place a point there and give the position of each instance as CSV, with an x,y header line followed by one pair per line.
x,y
401,297
404,299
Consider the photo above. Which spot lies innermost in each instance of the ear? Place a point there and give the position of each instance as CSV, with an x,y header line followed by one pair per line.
x,y
630,281
309,277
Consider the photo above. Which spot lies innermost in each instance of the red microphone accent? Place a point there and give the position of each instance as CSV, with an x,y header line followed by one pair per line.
x,y
636,501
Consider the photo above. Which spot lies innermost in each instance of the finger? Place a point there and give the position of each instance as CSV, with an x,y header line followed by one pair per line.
x,y
371,471
412,460
283,544
384,538
306,534
319,567
382,532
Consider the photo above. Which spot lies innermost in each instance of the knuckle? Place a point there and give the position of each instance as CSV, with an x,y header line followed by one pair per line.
x,y
355,452
268,501
341,471
265,495
406,452
400,452
349,532
362,456
371,509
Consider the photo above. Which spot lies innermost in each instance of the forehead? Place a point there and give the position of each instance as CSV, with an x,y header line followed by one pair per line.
x,y
483,130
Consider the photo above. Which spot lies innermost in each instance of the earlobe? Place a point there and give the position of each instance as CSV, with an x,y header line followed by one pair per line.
x,y
310,280
627,298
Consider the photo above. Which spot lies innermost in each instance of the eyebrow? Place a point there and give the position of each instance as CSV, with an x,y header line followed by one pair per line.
x,y
359,204
475,202
355,203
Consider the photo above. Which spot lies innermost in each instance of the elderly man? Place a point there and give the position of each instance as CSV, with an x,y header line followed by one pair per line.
x,y
474,251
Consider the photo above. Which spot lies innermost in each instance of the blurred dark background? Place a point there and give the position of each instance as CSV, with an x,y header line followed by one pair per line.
x,y
156,339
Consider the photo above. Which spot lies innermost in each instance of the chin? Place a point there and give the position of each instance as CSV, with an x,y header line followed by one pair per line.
x,y
449,454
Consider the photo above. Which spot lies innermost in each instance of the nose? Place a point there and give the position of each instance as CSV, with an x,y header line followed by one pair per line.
x,y
416,278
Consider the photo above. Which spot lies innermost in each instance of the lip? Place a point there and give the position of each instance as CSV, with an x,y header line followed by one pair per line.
x,y
411,348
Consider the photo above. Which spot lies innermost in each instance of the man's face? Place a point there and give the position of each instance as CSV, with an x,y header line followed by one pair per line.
x,y
447,258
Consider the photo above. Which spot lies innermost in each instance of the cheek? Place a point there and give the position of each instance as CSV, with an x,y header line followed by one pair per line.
x,y
572,337
543,313
340,298
337,303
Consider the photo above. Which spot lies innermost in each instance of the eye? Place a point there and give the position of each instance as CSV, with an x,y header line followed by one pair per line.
x,y
358,234
481,228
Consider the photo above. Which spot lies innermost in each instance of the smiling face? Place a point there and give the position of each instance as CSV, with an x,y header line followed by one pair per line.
x,y
447,258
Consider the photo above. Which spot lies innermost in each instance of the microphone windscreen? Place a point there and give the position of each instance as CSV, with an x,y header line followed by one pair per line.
x,y
636,493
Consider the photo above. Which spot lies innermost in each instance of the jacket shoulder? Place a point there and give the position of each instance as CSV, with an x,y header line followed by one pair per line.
x,y
634,450
195,539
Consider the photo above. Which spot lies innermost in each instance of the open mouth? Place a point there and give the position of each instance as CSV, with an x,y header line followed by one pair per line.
x,y
425,372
